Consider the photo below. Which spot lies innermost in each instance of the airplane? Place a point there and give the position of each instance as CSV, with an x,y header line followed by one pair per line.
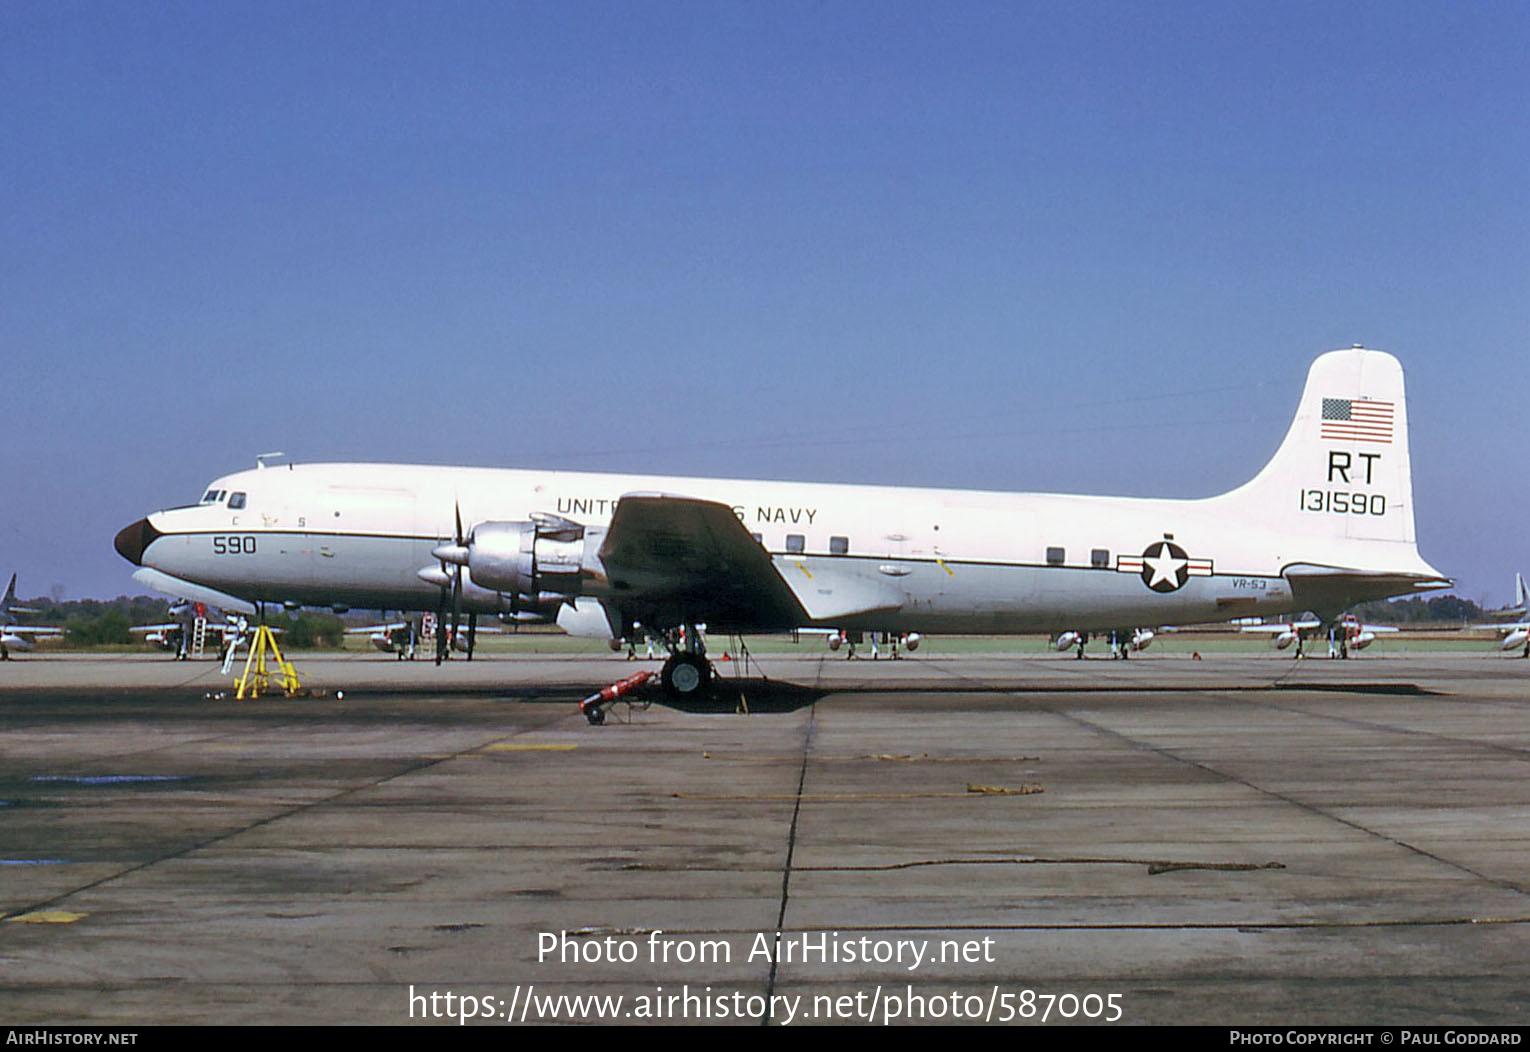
x,y
1515,636
1326,524
893,640
1123,641
226,617
396,637
402,638
1344,634
1287,632
19,637
1521,603
1516,633
220,629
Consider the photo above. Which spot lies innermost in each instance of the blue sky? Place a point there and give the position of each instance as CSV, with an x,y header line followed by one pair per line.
x,y
1058,247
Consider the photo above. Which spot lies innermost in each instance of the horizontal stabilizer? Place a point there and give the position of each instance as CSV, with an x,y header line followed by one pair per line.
x,y
1335,588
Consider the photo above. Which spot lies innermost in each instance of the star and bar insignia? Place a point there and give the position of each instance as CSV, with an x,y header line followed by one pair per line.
x,y
1164,566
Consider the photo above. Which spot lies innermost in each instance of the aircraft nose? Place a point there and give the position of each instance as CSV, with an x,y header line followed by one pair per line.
x,y
132,540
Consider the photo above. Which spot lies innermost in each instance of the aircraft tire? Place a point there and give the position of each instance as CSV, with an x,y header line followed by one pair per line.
x,y
686,676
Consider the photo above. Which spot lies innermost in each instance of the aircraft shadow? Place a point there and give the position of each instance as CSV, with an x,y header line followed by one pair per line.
x,y
731,696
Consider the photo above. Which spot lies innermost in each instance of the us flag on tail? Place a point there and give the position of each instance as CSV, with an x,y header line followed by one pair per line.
x,y
1357,420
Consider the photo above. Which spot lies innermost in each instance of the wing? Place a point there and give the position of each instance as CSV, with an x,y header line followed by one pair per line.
x,y
1503,628
670,560
1281,626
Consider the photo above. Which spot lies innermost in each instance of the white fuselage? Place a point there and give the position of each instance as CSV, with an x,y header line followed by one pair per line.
x,y
960,561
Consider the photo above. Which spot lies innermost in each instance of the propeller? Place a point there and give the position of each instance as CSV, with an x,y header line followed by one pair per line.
x,y
452,569
457,578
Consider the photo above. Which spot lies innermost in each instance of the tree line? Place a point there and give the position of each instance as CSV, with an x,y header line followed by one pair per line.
x,y
1436,610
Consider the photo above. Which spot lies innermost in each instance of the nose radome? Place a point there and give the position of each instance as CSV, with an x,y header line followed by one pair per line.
x,y
132,540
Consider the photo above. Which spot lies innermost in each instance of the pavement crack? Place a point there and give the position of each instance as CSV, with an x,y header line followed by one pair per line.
x,y
1285,798
791,848
418,764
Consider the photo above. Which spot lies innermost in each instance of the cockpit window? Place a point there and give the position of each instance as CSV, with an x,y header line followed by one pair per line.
x,y
213,496
236,501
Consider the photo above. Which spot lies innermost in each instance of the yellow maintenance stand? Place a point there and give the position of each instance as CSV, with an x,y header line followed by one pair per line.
x,y
255,666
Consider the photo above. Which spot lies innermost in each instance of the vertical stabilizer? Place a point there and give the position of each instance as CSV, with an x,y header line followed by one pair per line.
x,y
1342,473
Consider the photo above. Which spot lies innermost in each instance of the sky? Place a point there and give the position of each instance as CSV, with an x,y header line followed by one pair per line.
x,y
1081,247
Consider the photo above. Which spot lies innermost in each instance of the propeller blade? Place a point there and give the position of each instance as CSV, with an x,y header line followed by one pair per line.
x,y
441,628
456,602
454,555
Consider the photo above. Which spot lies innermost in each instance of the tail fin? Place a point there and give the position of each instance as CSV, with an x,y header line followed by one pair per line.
x,y
1343,472
1519,594
1337,497
8,606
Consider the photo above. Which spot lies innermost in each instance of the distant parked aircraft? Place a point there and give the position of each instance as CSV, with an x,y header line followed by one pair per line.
x,y
19,637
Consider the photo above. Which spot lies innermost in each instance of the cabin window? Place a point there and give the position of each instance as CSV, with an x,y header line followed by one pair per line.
x,y
839,545
1099,558
1056,556
236,501
796,543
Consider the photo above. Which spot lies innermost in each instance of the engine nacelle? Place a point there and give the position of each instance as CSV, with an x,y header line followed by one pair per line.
x,y
472,592
1514,639
1284,640
1363,640
836,641
526,558
531,562
912,641
1142,639
1067,641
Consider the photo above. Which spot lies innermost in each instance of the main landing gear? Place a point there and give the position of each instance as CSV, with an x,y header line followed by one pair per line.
x,y
687,674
